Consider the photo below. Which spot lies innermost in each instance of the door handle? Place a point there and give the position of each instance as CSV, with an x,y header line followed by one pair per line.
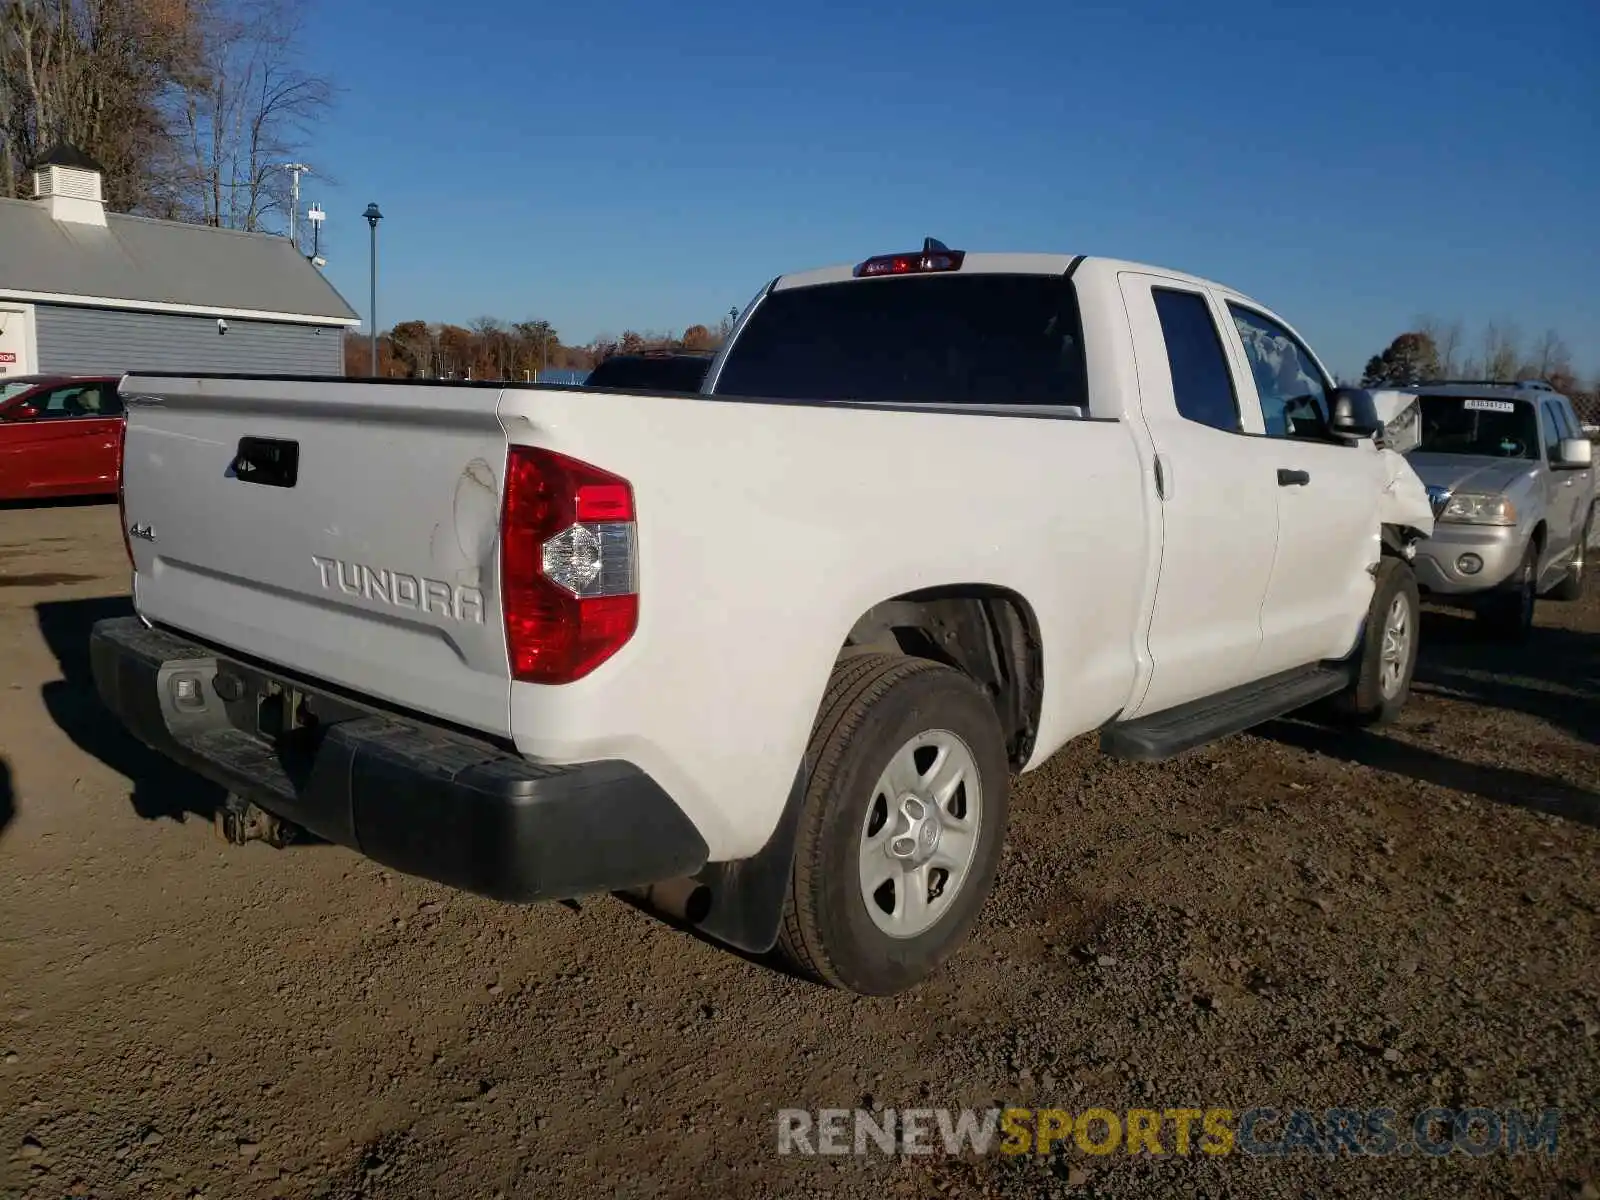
x,y
270,462
1293,478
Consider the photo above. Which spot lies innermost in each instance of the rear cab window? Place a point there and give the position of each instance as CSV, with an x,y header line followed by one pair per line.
x,y
946,339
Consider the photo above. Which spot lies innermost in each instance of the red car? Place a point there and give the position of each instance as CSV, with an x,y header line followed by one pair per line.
x,y
60,435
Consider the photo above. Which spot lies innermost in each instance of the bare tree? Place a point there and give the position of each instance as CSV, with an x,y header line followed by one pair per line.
x,y
1550,356
1447,342
244,106
91,73
1501,354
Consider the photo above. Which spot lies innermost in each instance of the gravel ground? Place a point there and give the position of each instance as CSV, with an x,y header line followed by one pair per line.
x,y
1289,919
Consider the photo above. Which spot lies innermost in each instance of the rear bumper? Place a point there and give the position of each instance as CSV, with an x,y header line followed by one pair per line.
x,y
421,798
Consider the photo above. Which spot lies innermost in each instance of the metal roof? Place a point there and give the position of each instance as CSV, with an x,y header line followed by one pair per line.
x,y
64,155
160,265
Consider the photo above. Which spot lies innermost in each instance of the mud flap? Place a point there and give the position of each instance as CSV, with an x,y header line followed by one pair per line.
x,y
741,902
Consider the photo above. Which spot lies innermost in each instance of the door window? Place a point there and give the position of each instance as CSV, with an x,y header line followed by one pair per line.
x,y
76,400
1568,420
1552,432
1293,391
1202,384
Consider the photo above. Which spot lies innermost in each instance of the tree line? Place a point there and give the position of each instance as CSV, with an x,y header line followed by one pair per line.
x,y
491,348
188,105
1443,350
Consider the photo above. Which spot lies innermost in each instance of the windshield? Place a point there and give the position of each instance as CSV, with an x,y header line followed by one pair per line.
x,y
1474,425
15,388
931,339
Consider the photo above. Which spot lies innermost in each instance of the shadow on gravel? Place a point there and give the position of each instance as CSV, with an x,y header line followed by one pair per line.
x,y
8,798
1503,785
161,788
1553,676
771,960
61,502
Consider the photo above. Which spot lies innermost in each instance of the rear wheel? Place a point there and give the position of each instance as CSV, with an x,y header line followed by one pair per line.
x,y
1507,614
1571,588
902,824
1388,652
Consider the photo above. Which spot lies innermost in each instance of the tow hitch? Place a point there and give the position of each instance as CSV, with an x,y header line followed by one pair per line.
x,y
240,821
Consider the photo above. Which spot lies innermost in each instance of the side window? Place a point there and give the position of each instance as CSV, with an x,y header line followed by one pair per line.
x,y
66,401
1553,432
98,400
1202,385
1294,394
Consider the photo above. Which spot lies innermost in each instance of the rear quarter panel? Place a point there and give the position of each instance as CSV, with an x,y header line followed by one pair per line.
x,y
766,530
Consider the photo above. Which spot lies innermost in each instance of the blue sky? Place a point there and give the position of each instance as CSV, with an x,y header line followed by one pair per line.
x,y
629,165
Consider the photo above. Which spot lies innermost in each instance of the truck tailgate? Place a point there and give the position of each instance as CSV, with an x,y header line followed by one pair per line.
x,y
347,531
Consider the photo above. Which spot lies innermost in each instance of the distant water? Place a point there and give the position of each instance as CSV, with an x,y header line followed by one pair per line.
x,y
563,376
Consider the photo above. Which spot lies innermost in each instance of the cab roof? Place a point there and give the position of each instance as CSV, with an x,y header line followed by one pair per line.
x,y
975,263
1532,390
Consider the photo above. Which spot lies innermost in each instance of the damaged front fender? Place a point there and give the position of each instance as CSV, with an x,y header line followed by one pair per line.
x,y
1404,503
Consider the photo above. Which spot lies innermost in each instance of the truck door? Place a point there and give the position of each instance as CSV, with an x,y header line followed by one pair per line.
x,y
1328,492
1564,490
1217,497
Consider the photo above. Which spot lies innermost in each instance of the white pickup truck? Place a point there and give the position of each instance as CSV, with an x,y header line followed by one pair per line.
x,y
768,654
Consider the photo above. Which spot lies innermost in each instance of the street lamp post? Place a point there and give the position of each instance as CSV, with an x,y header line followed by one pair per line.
x,y
373,216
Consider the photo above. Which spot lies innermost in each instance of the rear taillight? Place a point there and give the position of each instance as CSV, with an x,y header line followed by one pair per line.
x,y
122,500
568,565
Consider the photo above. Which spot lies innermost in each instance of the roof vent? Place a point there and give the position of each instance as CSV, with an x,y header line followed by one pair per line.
x,y
68,182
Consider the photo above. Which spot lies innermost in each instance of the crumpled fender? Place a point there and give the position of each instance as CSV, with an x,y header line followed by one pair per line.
x,y
1405,498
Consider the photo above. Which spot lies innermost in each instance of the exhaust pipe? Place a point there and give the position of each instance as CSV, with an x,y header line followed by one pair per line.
x,y
683,899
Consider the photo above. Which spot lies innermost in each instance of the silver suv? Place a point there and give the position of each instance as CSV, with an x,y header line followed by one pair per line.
x,y
1511,478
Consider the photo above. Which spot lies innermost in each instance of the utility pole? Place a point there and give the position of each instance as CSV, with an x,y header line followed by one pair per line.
x,y
295,170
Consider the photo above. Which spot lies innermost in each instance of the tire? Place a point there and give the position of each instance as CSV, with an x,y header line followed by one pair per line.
x,y
1572,587
879,717
1507,614
1387,656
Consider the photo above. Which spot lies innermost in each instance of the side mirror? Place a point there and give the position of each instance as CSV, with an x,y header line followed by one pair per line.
x,y
1574,454
1354,414
22,412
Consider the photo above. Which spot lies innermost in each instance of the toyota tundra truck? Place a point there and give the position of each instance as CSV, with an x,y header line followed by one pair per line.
x,y
767,655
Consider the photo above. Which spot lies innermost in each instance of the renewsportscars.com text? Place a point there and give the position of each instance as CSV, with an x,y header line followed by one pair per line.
x,y
1257,1132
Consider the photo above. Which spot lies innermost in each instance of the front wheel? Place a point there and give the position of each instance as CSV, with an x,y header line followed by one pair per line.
x,y
902,825
1507,615
1571,588
1387,656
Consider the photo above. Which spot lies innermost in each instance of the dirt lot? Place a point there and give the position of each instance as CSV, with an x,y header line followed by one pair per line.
x,y
1288,919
